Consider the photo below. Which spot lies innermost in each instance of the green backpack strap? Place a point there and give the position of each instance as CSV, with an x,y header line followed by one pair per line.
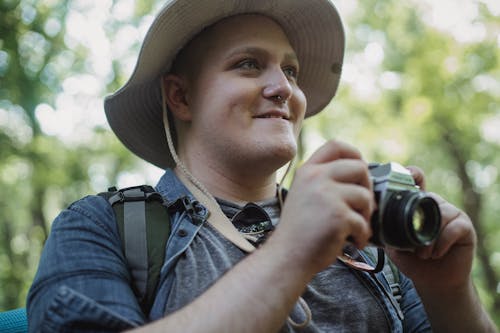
x,y
391,273
144,226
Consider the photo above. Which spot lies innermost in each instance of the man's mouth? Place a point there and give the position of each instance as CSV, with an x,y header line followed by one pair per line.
x,y
277,117
274,115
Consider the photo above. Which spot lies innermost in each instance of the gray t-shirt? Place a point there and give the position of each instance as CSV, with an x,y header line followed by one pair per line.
x,y
338,300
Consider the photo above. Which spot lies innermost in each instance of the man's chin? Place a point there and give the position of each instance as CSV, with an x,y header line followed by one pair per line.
x,y
281,156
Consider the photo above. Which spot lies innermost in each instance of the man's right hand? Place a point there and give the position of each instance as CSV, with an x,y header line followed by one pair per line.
x,y
331,199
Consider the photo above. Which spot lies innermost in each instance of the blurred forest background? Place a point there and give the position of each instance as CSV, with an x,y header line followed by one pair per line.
x,y
421,86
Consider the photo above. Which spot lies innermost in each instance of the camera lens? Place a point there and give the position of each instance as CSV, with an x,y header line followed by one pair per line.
x,y
418,220
426,219
410,219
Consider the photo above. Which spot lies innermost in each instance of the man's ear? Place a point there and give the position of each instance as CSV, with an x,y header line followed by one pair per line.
x,y
175,96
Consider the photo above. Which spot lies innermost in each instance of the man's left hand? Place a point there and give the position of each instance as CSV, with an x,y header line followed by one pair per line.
x,y
445,265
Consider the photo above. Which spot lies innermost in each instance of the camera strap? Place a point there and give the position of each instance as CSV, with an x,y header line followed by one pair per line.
x,y
360,264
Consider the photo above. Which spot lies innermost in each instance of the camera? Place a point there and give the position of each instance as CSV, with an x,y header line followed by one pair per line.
x,y
406,217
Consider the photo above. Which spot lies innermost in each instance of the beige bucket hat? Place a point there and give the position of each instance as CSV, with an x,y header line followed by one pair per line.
x,y
313,27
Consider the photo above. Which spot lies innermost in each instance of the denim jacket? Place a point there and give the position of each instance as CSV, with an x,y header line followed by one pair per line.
x,y
83,284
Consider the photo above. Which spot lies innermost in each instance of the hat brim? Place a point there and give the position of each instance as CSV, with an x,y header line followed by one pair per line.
x,y
313,27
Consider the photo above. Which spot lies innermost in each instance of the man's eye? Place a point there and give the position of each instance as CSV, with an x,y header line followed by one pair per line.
x,y
248,64
291,72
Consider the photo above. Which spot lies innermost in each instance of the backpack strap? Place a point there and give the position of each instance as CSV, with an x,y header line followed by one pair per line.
x,y
144,226
391,273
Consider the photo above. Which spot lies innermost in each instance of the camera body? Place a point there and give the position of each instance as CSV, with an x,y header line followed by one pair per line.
x,y
406,217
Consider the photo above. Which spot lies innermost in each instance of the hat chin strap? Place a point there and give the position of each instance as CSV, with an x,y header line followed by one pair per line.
x,y
216,217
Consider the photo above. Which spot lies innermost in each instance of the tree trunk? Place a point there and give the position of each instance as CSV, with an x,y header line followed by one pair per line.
x,y
472,203
37,215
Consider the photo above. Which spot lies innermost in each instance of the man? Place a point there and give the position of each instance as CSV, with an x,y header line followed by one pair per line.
x,y
233,101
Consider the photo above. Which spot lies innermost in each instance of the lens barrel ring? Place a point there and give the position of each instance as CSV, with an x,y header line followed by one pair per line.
x,y
410,219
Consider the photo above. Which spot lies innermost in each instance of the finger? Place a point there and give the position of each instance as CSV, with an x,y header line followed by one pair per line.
x,y
334,150
458,232
358,198
350,171
448,211
455,227
418,176
359,231
425,252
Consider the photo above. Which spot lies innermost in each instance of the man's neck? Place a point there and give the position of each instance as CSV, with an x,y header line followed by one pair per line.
x,y
237,187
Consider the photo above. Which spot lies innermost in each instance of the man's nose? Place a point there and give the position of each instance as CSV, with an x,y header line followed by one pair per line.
x,y
277,86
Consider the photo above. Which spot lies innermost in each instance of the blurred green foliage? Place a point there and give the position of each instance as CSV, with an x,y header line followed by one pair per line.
x,y
411,93
40,173
433,101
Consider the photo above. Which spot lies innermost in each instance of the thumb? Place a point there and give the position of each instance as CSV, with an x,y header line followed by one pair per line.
x,y
334,150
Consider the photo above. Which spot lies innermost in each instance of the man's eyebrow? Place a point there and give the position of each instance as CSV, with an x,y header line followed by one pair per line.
x,y
289,56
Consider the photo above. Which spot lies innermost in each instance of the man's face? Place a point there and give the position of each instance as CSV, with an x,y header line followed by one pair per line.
x,y
245,64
